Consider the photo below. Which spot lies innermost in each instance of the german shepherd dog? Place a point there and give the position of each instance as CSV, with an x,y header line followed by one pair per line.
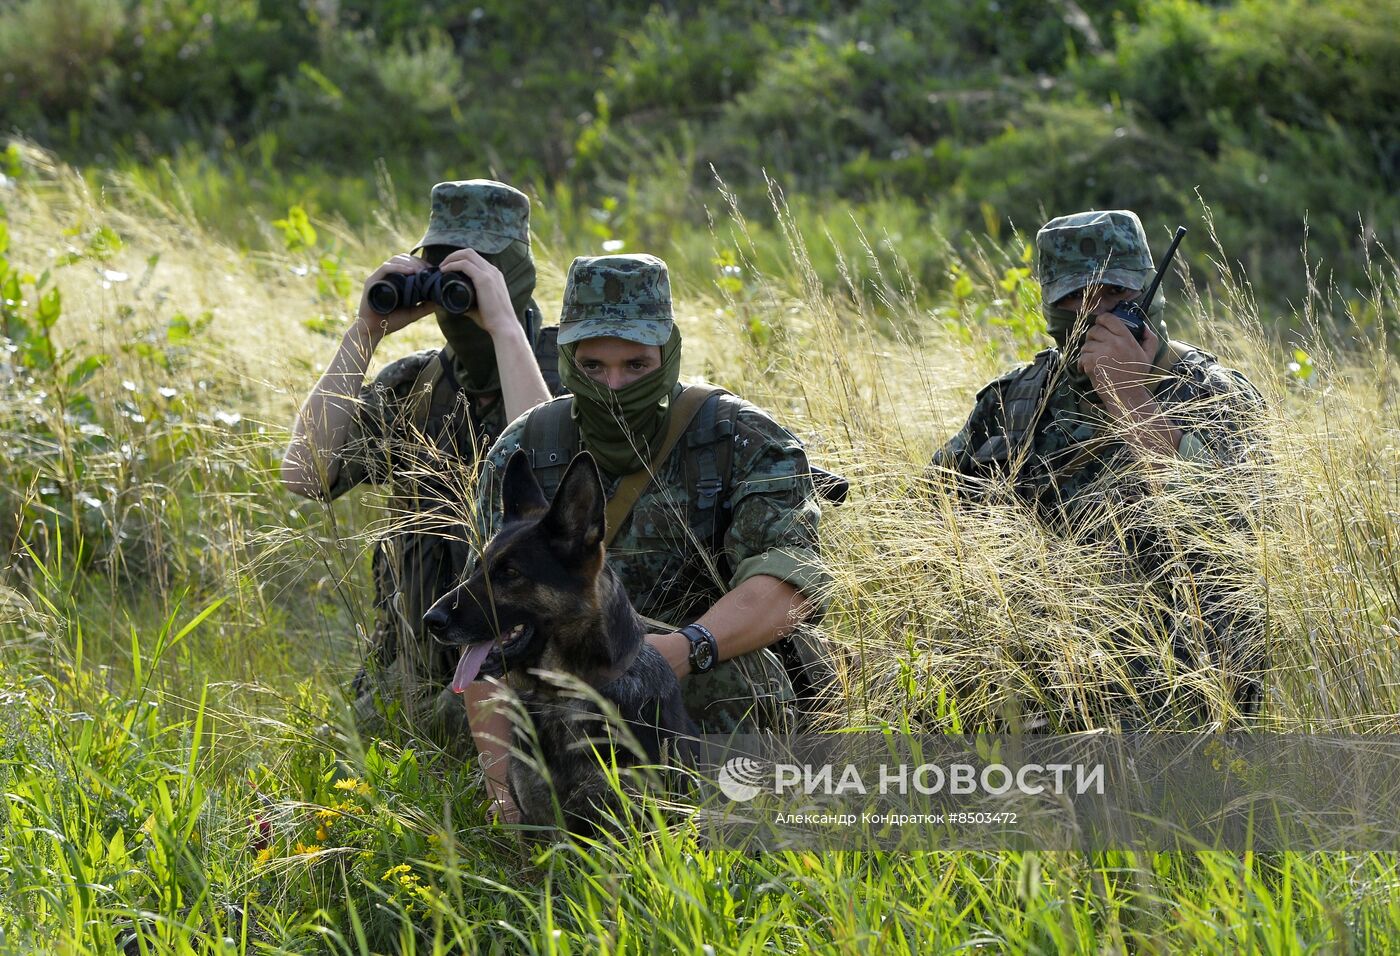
x,y
543,599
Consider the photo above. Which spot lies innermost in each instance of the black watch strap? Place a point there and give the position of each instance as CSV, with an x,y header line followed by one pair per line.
x,y
704,649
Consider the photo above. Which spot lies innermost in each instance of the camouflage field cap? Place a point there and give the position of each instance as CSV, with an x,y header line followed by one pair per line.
x,y
479,214
627,296
1108,247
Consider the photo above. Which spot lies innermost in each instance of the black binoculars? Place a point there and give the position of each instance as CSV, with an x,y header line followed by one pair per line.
x,y
451,290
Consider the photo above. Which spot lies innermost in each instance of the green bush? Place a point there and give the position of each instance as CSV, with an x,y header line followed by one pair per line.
x,y
56,53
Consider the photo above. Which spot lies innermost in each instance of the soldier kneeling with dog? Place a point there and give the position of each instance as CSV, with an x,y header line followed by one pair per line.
x,y
711,515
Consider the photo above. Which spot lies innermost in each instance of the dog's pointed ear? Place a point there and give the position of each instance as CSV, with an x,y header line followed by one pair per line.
x,y
576,518
521,497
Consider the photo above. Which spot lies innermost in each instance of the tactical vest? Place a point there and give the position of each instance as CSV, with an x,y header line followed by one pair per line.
x,y
1025,395
551,438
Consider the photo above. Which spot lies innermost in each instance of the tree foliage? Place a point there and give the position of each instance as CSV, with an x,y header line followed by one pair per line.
x,y
990,113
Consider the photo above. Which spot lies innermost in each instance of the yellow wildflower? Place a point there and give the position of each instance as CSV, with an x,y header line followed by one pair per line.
x,y
354,785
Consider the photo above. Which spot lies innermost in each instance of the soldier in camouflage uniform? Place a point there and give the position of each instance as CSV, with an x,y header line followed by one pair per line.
x,y
1074,435
725,533
420,426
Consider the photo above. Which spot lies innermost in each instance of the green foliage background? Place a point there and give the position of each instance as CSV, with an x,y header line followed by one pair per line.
x,y
981,116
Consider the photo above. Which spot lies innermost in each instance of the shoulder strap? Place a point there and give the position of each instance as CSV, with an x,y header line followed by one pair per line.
x,y
709,456
550,436
420,396
630,488
546,351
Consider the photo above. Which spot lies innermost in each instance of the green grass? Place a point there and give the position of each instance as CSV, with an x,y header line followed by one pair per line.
x,y
175,628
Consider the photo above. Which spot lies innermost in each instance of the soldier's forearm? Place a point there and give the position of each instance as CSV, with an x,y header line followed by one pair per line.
x,y
322,423
490,724
522,385
760,611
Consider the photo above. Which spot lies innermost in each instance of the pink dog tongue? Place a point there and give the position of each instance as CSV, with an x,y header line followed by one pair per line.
x,y
470,665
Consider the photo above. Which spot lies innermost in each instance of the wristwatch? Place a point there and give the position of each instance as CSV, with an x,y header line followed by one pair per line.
x,y
704,649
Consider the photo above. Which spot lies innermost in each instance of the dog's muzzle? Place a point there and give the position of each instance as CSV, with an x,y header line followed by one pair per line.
x,y
436,621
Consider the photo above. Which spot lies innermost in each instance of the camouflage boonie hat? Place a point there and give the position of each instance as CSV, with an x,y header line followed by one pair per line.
x,y
1108,248
626,296
479,214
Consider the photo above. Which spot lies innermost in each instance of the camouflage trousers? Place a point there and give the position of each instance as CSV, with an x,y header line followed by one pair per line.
x,y
743,695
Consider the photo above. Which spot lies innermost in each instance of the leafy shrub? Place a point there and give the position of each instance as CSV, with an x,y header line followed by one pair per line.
x,y
996,112
56,53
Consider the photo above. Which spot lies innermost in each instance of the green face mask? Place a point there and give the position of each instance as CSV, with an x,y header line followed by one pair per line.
x,y
473,354
622,428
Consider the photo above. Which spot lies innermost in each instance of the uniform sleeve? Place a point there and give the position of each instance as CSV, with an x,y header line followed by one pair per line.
x,y
955,455
1218,411
774,517
366,455
978,452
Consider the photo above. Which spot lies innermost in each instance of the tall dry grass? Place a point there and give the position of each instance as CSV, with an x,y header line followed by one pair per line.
x,y
871,386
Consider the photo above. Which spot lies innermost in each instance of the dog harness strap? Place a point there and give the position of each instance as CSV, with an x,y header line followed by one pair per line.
x,y
630,488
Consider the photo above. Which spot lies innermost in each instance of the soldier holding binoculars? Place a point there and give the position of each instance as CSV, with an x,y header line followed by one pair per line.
x,y
422,423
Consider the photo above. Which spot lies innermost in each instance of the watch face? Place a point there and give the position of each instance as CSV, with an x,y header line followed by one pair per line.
x,y
700,655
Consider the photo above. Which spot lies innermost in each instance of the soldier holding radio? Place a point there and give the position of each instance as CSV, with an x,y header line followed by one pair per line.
x,y
1113,428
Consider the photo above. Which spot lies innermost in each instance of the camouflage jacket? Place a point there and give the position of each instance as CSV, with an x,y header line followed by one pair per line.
x,y
674,560
426,449
1033,435
393,440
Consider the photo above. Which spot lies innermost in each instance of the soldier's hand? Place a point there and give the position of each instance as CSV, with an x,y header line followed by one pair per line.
x,y
381,325
493,312
1115,361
